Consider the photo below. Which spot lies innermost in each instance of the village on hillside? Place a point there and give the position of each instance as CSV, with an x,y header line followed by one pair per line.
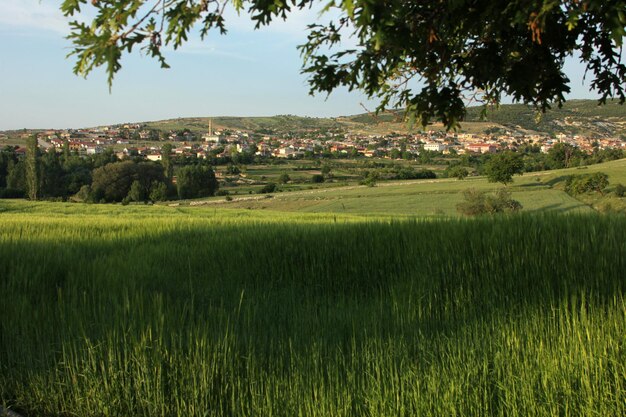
x,y
138,140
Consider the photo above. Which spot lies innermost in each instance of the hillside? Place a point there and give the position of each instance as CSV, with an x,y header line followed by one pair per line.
x,y
537,192
577,117
584,117
272,124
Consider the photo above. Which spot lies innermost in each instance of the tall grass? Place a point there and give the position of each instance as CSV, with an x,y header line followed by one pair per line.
x,y
230,314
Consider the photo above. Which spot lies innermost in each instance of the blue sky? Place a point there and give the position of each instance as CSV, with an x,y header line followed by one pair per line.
x,y
244,73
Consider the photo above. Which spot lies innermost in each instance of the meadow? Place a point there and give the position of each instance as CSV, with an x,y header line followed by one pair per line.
x,y
537,191
115,310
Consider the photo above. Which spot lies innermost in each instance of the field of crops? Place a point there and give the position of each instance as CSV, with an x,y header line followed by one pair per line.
x,y
161,311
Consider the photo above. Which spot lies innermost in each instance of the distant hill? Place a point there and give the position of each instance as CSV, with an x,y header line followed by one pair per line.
x,y
583,117
575,117
271,124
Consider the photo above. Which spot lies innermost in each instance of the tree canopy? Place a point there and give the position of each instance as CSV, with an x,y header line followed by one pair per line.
x,y
502,166
431,58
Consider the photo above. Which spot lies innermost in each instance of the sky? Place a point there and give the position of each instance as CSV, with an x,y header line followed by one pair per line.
x,y
244,73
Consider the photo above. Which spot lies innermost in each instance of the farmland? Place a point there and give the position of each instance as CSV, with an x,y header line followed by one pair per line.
x,y
538,192
116,310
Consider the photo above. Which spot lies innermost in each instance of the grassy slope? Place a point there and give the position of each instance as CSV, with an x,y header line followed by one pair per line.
x,y
281,123
540,191
576,116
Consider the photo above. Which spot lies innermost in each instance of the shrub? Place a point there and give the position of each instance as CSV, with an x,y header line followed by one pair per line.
x,y
268,188
584,183
370,179
317,178
478,202
458,172
620,190
12,193
233,169
284,178
83,195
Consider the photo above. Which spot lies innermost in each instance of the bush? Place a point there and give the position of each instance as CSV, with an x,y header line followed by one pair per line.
x,y
12,193
284,178
408,173
458,172
268,188
584,183
370,179
233,169
317,178
620,190
83,195
478,202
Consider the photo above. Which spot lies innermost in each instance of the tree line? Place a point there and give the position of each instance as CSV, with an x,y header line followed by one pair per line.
x,y
528,158
101,178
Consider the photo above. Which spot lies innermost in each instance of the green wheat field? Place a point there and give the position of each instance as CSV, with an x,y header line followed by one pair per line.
x,y
183,311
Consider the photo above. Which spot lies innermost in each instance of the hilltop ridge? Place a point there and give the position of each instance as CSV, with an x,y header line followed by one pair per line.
x,y
576,117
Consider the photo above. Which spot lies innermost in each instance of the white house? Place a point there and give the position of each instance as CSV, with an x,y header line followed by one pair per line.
x,y
435,146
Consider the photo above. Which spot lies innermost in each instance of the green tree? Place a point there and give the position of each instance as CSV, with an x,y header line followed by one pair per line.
x,y
136,192
7,158
562,155
158,191
166,160
77,173
32,168
195,181
112,182
452,47
52,176
16,177
106,157
501,167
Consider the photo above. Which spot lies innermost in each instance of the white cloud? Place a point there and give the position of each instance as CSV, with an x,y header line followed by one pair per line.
x,y
33,15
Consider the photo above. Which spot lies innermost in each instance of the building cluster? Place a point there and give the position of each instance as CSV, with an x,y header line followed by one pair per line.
x,y
135,140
